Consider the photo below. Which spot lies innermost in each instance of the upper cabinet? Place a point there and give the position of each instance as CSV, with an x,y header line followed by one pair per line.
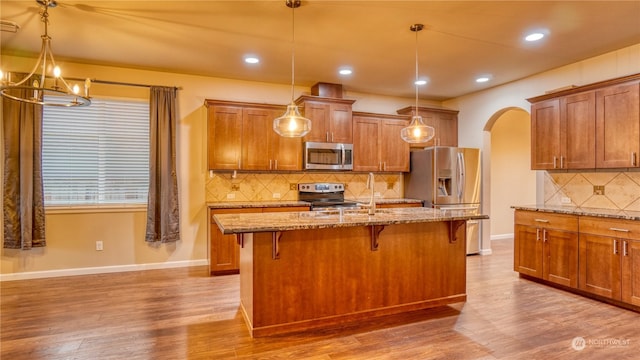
x,y
594,126
377,143
241,137
563,132
444,121
330,118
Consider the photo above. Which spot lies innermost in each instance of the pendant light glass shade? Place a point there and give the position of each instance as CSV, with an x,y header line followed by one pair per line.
x,y
292,124
417,132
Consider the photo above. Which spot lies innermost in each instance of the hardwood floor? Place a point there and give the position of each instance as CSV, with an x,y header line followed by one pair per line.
x,y
185,314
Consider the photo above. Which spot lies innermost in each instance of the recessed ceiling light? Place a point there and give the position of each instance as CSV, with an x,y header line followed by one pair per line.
x,y
251,60
483,79
345,71
420,82
534,36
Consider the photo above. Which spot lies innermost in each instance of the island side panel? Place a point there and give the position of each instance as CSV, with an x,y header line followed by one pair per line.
x,y
327,276
246,278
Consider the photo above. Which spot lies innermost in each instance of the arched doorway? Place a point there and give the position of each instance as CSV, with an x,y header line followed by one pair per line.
x,y
508,178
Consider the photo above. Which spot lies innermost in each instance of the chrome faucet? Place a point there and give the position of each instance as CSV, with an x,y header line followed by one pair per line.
x,y
372,200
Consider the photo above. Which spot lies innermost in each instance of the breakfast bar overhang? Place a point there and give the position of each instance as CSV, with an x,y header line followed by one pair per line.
x,y
308,270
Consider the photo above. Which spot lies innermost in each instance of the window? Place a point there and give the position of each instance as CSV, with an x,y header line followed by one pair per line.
x,y
96,155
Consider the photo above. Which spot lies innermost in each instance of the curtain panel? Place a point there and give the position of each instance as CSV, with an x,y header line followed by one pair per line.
x,y
23,192
163,223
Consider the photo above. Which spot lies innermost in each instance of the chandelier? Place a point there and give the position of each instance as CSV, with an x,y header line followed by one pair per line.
x,y
46,77
417,131
291,123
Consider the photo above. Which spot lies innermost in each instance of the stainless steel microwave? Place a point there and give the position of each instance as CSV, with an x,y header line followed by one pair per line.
x,y
328,156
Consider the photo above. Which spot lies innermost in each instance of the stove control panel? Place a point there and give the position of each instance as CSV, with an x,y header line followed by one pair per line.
x,y
320,187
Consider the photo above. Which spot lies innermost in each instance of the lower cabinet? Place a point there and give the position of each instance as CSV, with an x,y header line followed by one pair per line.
x,y
546,246
224,251
610,258
595,255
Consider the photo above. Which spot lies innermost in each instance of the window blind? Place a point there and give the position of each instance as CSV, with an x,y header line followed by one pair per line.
x,y
96,155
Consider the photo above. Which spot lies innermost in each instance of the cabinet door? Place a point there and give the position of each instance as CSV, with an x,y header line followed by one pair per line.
x,y
224,252
599,265
560,257
618,126
340,124
528,251
394,152
578,131
257,129
631,272
319,114
545,135
286,153
224,142
447,130
366,155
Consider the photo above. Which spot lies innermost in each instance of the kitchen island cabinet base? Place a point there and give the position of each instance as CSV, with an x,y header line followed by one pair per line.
x,y
307,279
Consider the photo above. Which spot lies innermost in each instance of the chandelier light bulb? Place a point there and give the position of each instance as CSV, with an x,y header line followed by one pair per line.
x,y
76,89
57,72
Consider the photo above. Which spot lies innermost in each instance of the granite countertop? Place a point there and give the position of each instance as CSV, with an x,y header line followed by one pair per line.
x,y
285,203
583,211
267,222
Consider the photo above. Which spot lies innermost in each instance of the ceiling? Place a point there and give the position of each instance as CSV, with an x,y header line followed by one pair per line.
x,y
461,40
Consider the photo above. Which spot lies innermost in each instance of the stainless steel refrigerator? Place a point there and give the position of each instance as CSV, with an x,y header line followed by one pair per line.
x,y
448,178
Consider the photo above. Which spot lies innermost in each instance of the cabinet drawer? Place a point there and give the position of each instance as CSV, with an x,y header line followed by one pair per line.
x,y
624,229
547,220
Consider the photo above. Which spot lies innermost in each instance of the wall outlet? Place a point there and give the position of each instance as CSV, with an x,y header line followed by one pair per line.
x,y
231,196
598,189
293,186
565,200
99,245
276,195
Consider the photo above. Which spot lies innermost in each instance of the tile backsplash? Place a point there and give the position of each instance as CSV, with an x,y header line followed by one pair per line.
x,y
223,186
621,190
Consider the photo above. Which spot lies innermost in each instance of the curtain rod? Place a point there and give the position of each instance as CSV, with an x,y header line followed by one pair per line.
x,y
108,82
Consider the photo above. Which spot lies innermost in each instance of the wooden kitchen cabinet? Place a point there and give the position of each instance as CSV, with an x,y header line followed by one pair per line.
x,y
224,251
330,118
377,143
241,137
563,133
546,246
444,121
610,258
596,126
618,126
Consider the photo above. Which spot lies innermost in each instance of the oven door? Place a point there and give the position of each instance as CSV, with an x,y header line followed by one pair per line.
x,y
328,156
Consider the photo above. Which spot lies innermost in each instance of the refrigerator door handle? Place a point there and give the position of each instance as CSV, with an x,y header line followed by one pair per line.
x,y
461,176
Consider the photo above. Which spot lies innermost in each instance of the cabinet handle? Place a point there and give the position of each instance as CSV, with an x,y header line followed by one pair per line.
x,y
633,159
537,234
624,248
269,164
544,235
332,136
384,166
561,162
542,220
615,247
276,163
619,229
326,136
555,162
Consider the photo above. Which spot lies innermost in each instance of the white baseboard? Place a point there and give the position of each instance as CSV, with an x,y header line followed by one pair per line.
x,y
485,252
501,236
101,270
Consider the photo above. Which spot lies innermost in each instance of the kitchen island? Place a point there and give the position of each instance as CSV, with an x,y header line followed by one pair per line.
x,y
306,270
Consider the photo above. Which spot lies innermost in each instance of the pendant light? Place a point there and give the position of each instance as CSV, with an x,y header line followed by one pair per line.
x,y
49,81
292,124
417,131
